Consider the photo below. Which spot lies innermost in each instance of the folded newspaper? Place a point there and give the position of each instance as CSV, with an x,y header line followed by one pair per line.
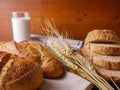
x,y
76,44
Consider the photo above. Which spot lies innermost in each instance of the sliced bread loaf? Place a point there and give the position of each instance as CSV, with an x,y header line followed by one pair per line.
x,y
107,62
102,47
102,66
102,36
105,49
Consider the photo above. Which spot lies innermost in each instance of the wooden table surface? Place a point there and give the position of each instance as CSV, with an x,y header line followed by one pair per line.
x,y
77,17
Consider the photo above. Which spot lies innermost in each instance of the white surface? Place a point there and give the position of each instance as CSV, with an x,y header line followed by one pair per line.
x,y
21,29
68,82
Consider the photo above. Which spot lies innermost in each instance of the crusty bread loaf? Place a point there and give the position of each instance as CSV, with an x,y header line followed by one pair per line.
x,y
20,74
51,67
34,44
102,36
21,50
105,48
107,62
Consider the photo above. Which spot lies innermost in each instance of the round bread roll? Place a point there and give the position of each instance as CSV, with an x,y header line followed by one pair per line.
x,y
19,74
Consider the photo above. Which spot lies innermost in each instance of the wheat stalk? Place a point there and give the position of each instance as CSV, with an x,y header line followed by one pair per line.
x,y
71,59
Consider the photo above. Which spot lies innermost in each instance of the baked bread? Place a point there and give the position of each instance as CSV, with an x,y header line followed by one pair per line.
x,y
19,74
3,58
22,50
105,48
51,67
106,62
32,50
102,49
103,66
102,36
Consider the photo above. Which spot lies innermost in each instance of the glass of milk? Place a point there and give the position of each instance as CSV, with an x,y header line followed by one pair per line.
x,y
21,26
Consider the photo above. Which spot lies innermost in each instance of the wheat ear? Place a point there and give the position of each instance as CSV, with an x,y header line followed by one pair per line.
x,y
73,60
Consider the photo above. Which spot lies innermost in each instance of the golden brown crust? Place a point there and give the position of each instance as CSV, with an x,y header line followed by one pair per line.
x,y
22,73
51,67
4,57
34,44
105,49
20,67
31,52
4,75
21,50
107,36
32,80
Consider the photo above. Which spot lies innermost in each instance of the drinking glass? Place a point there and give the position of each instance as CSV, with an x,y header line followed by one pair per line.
x,y
21,26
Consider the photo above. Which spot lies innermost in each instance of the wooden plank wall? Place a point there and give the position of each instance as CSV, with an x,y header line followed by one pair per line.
x,y
78,17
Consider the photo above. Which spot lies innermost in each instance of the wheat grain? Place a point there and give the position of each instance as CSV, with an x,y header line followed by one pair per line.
x,y
73,60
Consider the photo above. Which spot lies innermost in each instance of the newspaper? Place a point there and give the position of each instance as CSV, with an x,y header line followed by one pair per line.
x,y
75,44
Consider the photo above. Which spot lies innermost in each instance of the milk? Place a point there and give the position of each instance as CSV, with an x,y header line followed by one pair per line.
x,y
21,29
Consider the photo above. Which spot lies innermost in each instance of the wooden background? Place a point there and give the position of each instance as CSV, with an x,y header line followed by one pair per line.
x,y
78,17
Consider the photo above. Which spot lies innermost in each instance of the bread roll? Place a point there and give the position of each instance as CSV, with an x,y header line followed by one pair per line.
x,y
19,74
